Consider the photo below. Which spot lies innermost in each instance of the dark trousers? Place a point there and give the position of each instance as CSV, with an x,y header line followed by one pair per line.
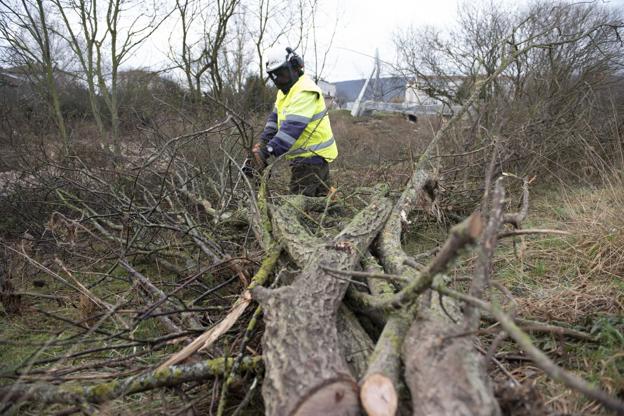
x,y
310,179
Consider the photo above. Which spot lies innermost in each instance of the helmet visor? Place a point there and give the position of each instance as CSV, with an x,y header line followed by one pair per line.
x,y
281,76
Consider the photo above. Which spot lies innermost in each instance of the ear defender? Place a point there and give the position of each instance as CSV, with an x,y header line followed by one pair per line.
x,y
295,61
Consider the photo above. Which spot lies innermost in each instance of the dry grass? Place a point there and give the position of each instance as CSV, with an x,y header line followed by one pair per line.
x,y
576,281
379,148
598,220
571,304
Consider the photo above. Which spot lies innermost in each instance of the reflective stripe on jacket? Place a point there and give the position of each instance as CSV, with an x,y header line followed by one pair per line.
x,y
303,124
270,128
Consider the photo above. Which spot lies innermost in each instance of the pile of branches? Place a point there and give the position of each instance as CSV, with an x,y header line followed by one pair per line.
x,y
350,319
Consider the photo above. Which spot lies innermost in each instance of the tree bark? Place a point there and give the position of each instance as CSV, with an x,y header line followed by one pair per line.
x,y
355,344
444,372
379,393
306,373
379,386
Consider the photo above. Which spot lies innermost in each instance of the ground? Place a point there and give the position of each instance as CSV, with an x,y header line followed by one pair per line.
x,y
574,280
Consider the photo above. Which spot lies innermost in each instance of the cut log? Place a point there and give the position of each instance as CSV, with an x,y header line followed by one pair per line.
x,y
305,370
379,387
338,397
444,372
379,397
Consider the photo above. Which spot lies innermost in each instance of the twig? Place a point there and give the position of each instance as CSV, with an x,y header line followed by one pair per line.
x,y
247,397
499,365
537,356
354,282
149,288
535,326
461,234
487,246
213,289
41,295
251,326
372,275
208,337
152,158
512,233
517,218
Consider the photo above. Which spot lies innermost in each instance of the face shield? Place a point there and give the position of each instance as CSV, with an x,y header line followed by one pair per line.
x,y
283,78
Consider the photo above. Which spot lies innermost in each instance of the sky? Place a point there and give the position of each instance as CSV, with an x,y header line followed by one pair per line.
x,y
360,27
366,25
370,24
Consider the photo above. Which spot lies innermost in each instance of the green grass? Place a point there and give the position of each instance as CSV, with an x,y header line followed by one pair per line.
x,y
27,332
24,335
557,278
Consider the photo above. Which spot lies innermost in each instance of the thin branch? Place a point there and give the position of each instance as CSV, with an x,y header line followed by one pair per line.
x,y
382,276
537,356
100,393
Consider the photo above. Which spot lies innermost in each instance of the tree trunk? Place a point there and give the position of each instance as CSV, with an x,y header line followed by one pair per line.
x,y
80,393
379,387
444,372
306,374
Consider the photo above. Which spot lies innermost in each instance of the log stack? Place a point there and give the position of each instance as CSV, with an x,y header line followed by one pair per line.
x,y
306,371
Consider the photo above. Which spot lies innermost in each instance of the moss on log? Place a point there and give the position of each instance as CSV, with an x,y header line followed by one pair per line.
x,y
99,393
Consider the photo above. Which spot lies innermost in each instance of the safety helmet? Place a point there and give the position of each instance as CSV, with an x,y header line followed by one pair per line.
x,y
281,56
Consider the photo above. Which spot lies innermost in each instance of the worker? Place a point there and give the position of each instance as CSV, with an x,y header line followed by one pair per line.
x,y
298,128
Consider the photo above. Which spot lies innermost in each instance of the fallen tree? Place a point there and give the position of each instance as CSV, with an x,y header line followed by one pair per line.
x,y
101,393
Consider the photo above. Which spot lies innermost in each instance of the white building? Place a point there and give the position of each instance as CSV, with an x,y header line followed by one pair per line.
x,y
329,89
329,92
418,91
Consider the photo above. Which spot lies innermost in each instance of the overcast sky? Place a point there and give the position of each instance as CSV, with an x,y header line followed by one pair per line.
x,y
363,26
360,27
368,24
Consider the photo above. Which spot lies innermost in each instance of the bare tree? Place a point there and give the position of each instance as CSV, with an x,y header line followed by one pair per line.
x,y
106,35
319,39
26,29
120,47
83,43
271,25
446,65
557,57
200,55
236,54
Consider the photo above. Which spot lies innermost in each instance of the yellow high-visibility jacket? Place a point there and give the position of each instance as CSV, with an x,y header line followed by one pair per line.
x,y
299,124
